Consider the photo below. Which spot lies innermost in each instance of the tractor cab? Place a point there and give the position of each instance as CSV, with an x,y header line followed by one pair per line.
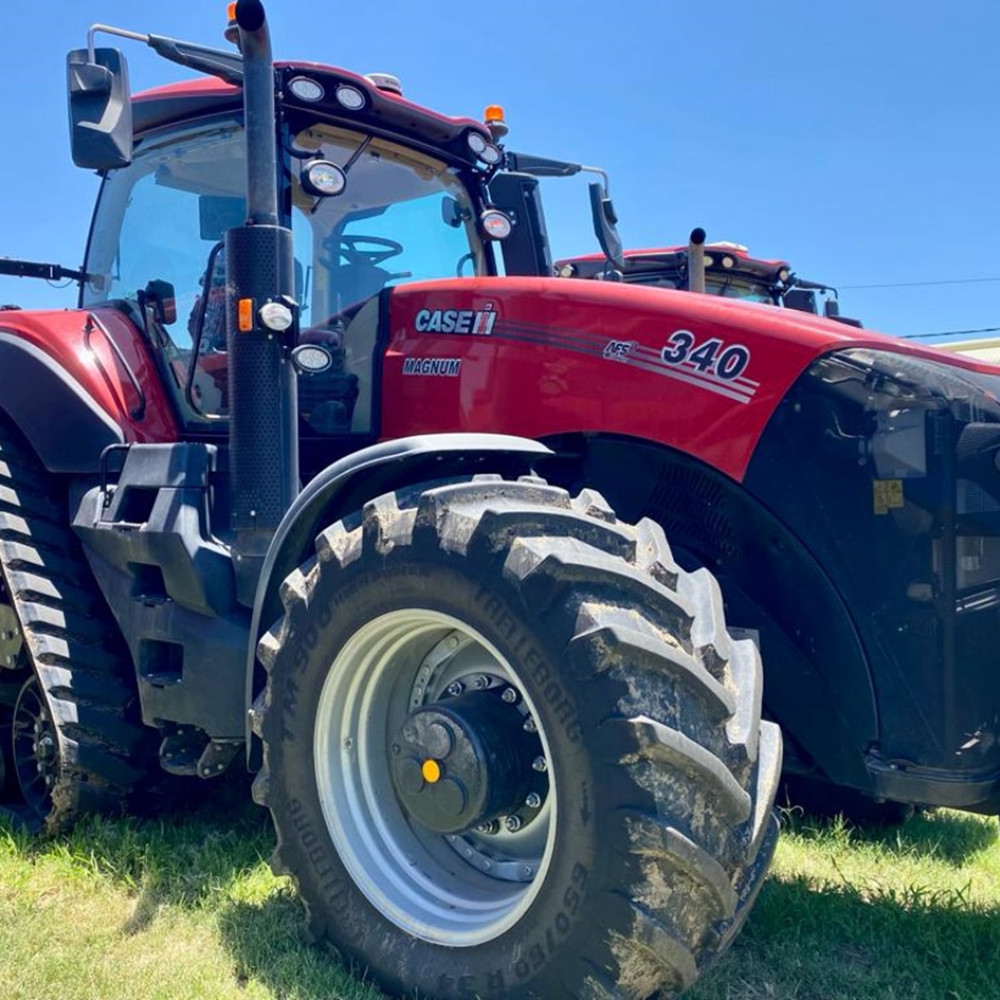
x,y
375,190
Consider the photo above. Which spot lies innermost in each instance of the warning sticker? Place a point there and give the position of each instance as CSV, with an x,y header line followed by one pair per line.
x,y
888,494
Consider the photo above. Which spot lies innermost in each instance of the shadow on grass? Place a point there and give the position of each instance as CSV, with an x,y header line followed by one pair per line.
x,y
843,942
268,945
178,855
943,835
207,854
839,942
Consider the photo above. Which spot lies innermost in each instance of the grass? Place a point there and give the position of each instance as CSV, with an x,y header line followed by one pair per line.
x,y
186,907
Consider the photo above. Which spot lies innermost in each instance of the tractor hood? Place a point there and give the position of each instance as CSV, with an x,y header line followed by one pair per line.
x,y
700,373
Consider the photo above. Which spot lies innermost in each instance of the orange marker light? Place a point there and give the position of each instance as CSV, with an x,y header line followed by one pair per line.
x,y
494,113
431,770
244,315
231,11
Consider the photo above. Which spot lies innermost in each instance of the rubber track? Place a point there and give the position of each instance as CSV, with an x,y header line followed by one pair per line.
x,y
72,641
692,708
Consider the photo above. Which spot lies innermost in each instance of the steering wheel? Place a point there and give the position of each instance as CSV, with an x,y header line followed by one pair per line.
x,y
371,250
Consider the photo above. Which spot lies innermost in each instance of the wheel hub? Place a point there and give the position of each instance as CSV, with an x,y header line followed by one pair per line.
x,y
463,762
35,747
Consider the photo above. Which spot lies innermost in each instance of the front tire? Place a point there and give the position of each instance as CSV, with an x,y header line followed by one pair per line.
x,y
511,751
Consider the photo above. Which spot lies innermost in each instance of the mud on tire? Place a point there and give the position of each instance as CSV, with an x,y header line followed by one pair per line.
x,y
511,750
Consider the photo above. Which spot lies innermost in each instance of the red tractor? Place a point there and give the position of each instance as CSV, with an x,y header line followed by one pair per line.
x,y
304,479
720,268
258,498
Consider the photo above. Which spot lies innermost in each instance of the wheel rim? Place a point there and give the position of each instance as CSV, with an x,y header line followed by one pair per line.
x,y
461,888
35,748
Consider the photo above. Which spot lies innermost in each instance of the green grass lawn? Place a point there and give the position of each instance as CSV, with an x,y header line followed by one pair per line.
x,y
187,908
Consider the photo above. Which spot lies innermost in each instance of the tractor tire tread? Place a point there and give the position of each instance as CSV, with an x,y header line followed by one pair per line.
x,y
71,641
682,735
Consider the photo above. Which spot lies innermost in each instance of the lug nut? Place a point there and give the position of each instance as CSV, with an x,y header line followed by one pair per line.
x,y
529,725
509,696
493,826
539,764
513,823
455,688
481,683
533,801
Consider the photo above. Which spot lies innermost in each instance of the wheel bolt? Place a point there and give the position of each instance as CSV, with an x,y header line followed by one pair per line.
x,y
481,683
529,725
509,696
455,688
539,764
513,823
533,801
493,826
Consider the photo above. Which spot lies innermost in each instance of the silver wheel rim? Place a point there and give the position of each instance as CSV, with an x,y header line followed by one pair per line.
x,y
458,890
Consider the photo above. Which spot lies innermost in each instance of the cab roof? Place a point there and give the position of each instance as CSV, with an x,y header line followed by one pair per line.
x,y
209,95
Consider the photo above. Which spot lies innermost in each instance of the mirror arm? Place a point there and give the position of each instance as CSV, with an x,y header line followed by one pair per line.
x,y
227,66
109,30
603,174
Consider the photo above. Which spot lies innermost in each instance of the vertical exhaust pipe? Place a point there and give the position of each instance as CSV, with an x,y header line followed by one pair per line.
x,y
263,445
696,260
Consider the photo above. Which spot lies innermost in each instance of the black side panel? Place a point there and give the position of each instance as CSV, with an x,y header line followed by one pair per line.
x,y
171,587
66,428
347,485
886,468
816,679
526,249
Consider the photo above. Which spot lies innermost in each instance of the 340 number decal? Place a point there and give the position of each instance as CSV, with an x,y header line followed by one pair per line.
x,y
710,357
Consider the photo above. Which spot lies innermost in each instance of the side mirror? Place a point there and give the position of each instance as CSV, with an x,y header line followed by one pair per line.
x,y
606,225
801,299
218,213
452,213
159,296
100,109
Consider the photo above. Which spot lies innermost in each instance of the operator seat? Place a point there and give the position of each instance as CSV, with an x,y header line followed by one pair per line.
x,y
353,283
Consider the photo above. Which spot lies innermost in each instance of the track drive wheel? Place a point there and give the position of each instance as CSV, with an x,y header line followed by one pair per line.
x,y
70,733
510,749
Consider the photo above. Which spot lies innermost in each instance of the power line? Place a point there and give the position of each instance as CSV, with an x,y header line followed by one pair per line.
x,y
920,284
951,333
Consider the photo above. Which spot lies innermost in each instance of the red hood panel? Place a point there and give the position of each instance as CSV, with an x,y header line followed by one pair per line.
x,y
541,356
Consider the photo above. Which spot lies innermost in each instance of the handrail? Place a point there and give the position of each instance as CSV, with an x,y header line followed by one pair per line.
x,y
92,322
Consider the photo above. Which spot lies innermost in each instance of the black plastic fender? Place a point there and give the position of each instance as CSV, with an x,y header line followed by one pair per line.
x,y
817,678
346,485
45,401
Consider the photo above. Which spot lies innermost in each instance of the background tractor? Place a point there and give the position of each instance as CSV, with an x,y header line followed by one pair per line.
x,y
719,268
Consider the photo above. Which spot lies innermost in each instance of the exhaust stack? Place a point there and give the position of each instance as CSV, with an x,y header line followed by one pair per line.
x,y
261,324
696,260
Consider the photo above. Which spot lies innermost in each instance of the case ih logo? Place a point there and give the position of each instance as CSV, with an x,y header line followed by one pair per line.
x,y
475,321
450,367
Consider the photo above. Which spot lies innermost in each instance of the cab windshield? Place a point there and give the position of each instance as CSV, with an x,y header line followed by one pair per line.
x,y
403,216
726,284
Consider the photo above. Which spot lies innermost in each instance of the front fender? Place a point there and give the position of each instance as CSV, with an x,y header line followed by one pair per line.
x,y
347,485
63,424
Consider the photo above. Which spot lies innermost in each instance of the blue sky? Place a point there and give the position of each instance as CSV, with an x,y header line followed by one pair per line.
x,y
858,140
